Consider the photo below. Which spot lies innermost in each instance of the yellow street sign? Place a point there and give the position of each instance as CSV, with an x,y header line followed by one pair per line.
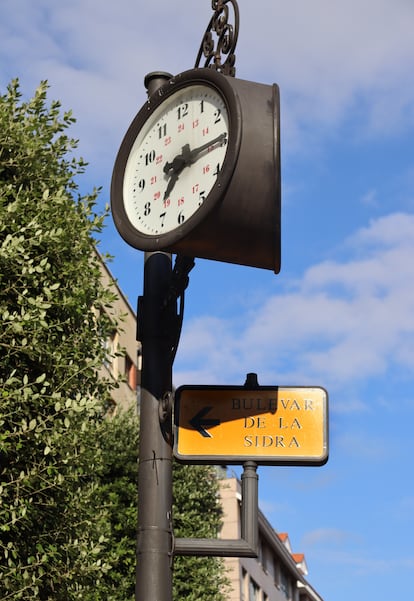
x,y
268,425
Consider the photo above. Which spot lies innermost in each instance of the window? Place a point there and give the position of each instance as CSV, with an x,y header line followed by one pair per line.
x,y
243,585
267,559
285,584
254,591
276,572
269,562
130,372
110,345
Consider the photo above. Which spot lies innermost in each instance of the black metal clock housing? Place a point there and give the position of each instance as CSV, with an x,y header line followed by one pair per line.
x,y
198,171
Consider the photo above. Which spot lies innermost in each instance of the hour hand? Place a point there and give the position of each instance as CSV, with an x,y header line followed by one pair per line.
x,y
179,162
176,166
171,183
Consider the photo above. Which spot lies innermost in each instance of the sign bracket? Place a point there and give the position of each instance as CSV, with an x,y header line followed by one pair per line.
x,y
247,545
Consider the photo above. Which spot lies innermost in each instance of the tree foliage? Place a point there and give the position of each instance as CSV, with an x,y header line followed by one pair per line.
x,y
117,494
196,513
68,476
52,325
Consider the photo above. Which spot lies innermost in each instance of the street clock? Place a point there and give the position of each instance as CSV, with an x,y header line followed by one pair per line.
x,y
198,171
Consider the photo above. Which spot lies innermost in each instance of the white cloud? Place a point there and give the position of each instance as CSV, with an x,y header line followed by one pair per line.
x,y
327,536
328,58
343,321
370,198
368,448
363,565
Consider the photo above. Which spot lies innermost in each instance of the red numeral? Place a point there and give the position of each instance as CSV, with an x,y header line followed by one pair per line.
x,y
157,195
158,159
181,201
206,169
167,140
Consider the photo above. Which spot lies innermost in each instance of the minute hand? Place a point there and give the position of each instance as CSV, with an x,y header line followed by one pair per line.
x,y
194,154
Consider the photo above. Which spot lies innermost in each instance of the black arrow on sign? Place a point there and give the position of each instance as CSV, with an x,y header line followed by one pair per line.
x,y
200,423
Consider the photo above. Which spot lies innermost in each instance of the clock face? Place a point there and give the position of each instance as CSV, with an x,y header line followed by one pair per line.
x,y
175,160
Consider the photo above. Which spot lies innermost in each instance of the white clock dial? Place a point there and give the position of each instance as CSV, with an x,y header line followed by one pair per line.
x,y
175,160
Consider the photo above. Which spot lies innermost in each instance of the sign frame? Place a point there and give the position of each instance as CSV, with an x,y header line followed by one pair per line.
x,y
206,416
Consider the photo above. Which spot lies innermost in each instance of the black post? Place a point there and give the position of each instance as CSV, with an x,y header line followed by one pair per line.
x,y
156,321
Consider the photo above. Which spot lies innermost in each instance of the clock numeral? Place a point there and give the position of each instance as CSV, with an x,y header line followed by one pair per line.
x,y
217,171
167,140
180,201
206,169
149,157
147,209
182,111
141,184
181,127
180,218
217,115
167,202
201,106
162,218
201,194
162,131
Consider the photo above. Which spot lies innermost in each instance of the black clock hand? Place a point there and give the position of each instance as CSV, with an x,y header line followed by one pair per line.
x,y
176,166
187,157
179,162
194,153
171,183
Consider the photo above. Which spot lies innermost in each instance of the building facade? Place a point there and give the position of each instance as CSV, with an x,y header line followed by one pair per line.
x,y
277,574
123,349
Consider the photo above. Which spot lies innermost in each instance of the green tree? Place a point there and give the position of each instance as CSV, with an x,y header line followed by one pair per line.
x,y
53,321
117,494
197,513
68,476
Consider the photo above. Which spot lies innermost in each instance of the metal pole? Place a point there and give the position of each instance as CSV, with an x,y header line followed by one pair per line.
x,y
155,320
248,544
250,505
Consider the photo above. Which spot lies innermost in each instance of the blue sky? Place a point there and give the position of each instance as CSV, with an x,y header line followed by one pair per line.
x,y
341,312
